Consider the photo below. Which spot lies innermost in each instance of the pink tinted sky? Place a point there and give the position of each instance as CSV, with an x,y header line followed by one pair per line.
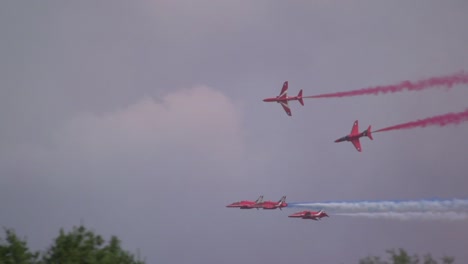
x,y
145,119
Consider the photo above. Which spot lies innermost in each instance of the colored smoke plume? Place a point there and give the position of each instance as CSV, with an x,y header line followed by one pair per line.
x,y
435,205
442,81
453,216
441,120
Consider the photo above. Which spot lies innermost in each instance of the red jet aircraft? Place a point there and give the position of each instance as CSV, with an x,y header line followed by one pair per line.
x,y
246,204
309,215
283,98
354,136
272,205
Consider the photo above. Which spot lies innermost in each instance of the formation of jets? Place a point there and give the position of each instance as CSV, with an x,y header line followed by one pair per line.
x,y
259,204
353,137
283,99
271,205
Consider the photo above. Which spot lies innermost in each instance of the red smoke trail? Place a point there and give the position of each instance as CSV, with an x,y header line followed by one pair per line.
x,y
441,120
445,81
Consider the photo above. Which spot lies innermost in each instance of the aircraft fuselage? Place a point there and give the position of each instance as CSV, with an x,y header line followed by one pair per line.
x,y
270,206
309,215
242,205
350,138
278,99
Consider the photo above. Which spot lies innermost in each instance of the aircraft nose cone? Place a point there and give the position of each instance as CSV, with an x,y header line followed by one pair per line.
x,y
264,100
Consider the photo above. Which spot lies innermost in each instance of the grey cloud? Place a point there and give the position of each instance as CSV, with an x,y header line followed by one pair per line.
x,y
145,156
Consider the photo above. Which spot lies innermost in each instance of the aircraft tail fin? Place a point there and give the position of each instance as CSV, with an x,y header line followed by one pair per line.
x,y
369,133
282,200
299,96
322,213
260,199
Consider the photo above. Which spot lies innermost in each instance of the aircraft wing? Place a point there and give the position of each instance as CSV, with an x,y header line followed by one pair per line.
x,y
357,144
286,107
355,129
284,90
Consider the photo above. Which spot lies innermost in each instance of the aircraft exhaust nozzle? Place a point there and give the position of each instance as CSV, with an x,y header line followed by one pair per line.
x,y
369,133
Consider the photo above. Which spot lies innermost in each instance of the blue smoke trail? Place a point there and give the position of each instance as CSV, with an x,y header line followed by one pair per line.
x,y
433,205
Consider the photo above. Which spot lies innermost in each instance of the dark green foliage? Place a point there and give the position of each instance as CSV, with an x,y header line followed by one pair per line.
x,y
400,256
13,250
448,260
80,246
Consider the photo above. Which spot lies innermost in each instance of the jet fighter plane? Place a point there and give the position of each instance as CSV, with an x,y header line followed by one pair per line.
x,y
283,98
355,135
246,204
309,215
272,205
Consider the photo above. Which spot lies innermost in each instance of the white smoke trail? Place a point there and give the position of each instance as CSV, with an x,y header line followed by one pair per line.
x,y
447,216
385,206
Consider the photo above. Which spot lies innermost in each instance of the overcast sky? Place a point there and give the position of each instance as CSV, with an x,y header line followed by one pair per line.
x,y
143,119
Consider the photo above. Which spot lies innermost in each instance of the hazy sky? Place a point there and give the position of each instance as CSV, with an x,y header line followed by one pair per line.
x,y
145,118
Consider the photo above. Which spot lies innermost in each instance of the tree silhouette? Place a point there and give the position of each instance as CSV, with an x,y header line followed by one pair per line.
x,y
79,246
400,256
15,251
